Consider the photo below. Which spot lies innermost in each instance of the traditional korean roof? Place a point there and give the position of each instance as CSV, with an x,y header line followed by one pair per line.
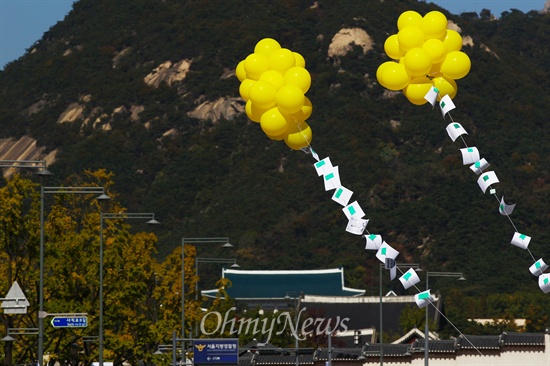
x,y
267,354
522,339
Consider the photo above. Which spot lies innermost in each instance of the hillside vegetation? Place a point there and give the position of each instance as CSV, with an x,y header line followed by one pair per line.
x,y
207,178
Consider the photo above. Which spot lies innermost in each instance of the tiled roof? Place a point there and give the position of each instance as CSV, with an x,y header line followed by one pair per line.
x,y
478,342
439,346
338,354
285,359
498,341
388,349
522,339
307,356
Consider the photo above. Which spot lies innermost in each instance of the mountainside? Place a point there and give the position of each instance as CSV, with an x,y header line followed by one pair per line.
x,y
147,89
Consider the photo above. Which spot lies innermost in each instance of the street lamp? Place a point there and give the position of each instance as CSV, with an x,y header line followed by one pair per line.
x,y
460,277
122,216
41,166
54,190
32,164
296,314
398,265
216,240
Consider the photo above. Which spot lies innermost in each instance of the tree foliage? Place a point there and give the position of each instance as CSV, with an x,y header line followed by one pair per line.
x,y
226,178
134,318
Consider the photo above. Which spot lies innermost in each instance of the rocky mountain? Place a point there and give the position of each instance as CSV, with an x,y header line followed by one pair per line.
x,y
147,89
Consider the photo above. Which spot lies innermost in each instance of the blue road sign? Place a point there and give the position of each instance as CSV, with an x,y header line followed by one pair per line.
x,y
208,351
70,321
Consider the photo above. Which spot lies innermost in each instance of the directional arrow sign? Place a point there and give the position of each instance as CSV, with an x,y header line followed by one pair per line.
x,y
209,351
70,321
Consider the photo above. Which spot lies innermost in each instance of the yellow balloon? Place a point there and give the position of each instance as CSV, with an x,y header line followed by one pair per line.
x,y
273,77
417,89
298,76
391,47
277,137
417,62
253,112
263,94
410,37
445,86
299,136
255,64
300,60
281,60
240,71
307,109
434,25
304,112
456,65
266,46
452,41
409,18
273,122
244,88
393,76
435,70
290,98
380,70
436,49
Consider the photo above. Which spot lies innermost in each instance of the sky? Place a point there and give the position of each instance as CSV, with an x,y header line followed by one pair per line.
x,y
23,22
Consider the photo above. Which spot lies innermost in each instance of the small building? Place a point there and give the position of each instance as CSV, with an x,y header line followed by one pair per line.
x,y
368,315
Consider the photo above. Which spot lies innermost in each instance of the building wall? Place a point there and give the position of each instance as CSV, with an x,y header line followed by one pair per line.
x,y
506,356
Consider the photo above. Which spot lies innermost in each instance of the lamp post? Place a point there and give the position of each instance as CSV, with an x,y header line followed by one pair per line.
x,y
460,277
8,340
329,357
398,265
41,166
296,314
215,240
111,216
54,190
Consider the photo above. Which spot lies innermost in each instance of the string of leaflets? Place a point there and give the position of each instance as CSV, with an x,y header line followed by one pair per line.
x,y
486,179
357,222
427,61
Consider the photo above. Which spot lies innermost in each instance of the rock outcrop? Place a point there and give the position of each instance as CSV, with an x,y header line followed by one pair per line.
x,y
168,73
221,108
23,149
346,38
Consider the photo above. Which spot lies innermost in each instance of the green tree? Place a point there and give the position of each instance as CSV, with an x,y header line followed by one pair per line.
x,y
72,270
413,317
168,293
19,238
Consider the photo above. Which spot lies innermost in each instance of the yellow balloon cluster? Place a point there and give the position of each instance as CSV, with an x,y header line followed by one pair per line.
x,y
426,54
274,82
